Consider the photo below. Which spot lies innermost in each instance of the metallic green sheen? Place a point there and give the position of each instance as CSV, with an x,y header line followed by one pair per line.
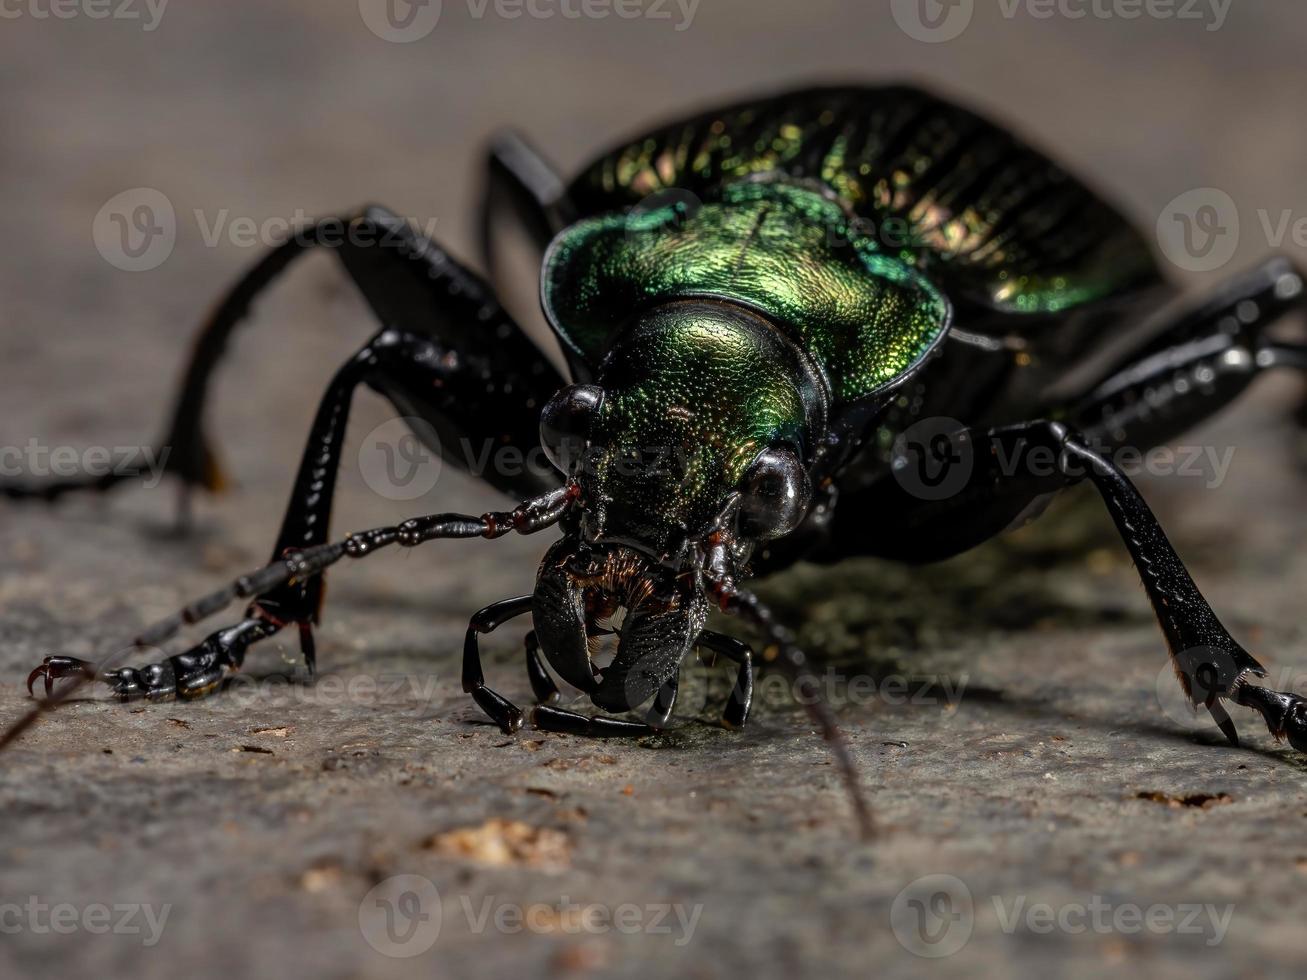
x,y
992,220
865,316
693,392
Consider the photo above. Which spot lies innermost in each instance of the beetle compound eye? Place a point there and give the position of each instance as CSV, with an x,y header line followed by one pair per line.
x,y
776,495
566,423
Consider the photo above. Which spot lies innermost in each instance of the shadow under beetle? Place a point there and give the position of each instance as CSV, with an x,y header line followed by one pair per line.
x,y
784,304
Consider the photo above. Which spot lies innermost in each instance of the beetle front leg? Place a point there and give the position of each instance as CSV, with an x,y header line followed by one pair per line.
x,y
298,566
738,706
188,675
502,711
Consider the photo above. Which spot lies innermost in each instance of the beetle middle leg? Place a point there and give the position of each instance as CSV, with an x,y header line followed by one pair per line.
x,y
519,178
450,356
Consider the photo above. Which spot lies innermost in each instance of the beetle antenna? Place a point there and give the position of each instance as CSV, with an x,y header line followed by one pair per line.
x,y
748,606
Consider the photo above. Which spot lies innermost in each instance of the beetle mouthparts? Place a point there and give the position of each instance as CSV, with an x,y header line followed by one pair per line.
x,y
585,594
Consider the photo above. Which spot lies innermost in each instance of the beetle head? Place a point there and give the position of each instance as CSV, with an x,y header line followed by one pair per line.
x,y
691,443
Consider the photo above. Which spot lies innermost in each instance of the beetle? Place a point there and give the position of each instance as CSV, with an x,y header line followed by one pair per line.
x,y
830,322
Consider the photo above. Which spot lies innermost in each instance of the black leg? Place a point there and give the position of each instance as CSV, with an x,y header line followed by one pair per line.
x,y
225,649
448,336
502,712
1187,369
308,515
1005,469
736,714
520,179
415,289
1194,364
542,685
550,719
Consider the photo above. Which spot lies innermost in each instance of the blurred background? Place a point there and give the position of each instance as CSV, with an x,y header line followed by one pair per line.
x,y
240,114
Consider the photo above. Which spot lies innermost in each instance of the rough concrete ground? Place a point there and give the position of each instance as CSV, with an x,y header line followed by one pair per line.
x,y
263,818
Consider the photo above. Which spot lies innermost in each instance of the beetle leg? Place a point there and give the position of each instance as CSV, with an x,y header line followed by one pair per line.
x,y
478,375
542,685
741,700
1001,471
223,648
1285,714
502,712
1198,362
518,176
545,715
547,718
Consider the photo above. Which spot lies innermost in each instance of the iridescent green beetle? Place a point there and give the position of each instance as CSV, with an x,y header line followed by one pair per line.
x,y
842,321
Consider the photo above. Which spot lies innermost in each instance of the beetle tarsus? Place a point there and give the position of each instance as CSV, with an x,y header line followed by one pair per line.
x,y
1285,713
57,668
547,718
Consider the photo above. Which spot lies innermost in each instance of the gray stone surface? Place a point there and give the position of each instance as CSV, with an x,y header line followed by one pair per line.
x,y
263,817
